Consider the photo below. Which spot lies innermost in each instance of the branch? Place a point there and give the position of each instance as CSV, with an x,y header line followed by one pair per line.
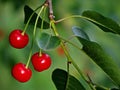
x,y
51,16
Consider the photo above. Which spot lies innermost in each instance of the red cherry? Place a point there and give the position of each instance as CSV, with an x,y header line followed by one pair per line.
x,y
41,63
17,39
21,73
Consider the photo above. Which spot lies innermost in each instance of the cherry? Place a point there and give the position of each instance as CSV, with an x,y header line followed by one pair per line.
x,y
21,73
41,62
17,39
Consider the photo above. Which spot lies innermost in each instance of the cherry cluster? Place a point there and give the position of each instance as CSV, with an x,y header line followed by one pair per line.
x,y
40,61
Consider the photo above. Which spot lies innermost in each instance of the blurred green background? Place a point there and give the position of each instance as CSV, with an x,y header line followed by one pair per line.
x,y
12,17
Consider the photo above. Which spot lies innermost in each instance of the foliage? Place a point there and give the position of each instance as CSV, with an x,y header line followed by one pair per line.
x,y
64,81
50,39
92,49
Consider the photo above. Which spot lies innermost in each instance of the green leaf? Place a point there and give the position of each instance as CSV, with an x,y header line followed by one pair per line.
x,y
64,82
114,89
104,61
98,55
105,23
47,42
99,88
28,12
79,32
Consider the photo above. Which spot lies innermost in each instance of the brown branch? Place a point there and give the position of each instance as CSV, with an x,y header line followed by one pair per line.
x,y
51,16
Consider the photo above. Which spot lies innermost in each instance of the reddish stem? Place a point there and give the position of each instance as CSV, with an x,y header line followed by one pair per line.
x,y
51,16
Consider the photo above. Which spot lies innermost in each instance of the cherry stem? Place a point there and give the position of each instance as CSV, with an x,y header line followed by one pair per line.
x,y
68,75
29,20
42,23
69,58
51,16
68,41
33,38
40,53
74,16
43,18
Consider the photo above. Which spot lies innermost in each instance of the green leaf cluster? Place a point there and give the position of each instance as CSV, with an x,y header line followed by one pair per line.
x,y
94,50
61,78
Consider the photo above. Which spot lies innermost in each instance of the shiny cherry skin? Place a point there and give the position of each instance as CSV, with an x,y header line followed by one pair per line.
x,y
41,62
17,39
21,73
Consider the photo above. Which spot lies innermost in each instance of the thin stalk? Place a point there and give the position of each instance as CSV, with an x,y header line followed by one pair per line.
x,y
90,82
25,28
70,43
42,23
40,52
70,60
102,87
68,75
67,54
50,7
73,16
51,16
33,38
78,16
91,86
43,19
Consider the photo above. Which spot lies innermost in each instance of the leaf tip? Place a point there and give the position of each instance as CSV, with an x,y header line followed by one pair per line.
x,y
79,32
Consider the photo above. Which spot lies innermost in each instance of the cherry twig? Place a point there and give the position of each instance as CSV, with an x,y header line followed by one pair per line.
x,y
69,58
49,2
